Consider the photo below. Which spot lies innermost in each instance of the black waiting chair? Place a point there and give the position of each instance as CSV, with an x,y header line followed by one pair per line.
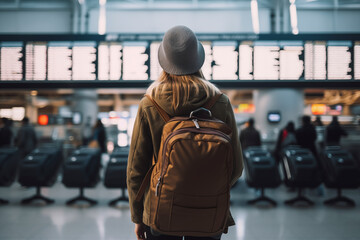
x,y
300,171
261,172
9,160
340,171
115,173
39,169
81,170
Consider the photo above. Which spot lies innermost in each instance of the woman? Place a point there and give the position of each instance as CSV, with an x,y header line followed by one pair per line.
x,y
286,138
180,89
99,135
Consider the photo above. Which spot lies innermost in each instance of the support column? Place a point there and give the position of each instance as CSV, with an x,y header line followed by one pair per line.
x,y
31,111
290,104
85,102
118,104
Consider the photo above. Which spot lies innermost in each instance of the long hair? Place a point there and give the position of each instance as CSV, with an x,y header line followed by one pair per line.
x,y
181,86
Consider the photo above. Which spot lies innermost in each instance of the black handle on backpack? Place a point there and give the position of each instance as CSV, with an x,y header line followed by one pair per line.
x,y
200,109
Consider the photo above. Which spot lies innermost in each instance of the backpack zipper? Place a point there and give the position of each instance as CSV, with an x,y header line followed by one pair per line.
x,y
196,123
157,187
188,129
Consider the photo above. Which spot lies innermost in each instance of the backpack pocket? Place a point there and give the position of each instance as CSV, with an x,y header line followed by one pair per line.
x,y
193,214
185,219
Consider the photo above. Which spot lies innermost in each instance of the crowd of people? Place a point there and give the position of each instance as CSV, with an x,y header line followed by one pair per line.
x,y
26,139
305,136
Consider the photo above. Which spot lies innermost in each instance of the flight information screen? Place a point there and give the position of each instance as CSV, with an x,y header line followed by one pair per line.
x,y
11,59
357,61
59,63
236,57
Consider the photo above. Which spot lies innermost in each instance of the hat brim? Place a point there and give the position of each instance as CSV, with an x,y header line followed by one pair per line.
x,y
171,68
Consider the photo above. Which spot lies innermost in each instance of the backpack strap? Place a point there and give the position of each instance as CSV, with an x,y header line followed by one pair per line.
x,y
161,111
145,183
210,103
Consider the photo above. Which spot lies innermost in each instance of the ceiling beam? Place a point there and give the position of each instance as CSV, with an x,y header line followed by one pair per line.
x,y
35,5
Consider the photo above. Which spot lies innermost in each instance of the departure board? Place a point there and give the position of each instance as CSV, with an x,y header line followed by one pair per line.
x,y
134,61
134,57
207,66
83,61
291,60
339,60
36,61
246,61
59,61
224,56
266,61
357,61
315,60
11,64
156,69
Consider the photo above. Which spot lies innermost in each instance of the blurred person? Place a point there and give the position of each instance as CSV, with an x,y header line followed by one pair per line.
x,y
6,133
99,135
306,135
285,138
334,132
318,121
180,89
26,139
249,136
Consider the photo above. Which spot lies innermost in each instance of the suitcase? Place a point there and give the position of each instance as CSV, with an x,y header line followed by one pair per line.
x,y
9,160
40,169
261,172
340,170
115,174
300,171
81,170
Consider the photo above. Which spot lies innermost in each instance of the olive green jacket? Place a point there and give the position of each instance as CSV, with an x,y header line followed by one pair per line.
x,y
146,137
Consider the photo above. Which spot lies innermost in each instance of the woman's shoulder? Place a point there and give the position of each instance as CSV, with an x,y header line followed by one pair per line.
x,y
223,98
145,102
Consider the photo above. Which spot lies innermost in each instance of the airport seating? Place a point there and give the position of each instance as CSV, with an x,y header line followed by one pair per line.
x,y
115,173
40,169
81,170
340,171
9,160
261,172
300,171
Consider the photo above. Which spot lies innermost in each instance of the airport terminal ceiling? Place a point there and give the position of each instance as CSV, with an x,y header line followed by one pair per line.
x,y
316,4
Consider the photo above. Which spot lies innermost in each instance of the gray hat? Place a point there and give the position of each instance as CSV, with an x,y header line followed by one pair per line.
x,y
180,53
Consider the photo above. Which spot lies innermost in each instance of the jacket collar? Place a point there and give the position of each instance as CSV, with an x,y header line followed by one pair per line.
x,y
164,98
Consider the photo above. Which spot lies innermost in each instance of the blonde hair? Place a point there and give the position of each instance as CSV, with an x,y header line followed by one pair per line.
x,y
181,86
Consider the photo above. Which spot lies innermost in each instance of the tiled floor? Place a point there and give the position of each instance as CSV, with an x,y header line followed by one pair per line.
x,y
57,221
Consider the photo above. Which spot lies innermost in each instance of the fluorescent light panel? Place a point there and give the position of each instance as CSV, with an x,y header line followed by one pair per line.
x,y
102,17
255,16
293,17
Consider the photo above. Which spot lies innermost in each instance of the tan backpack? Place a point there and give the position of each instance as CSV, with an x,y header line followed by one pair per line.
x,y
190,182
